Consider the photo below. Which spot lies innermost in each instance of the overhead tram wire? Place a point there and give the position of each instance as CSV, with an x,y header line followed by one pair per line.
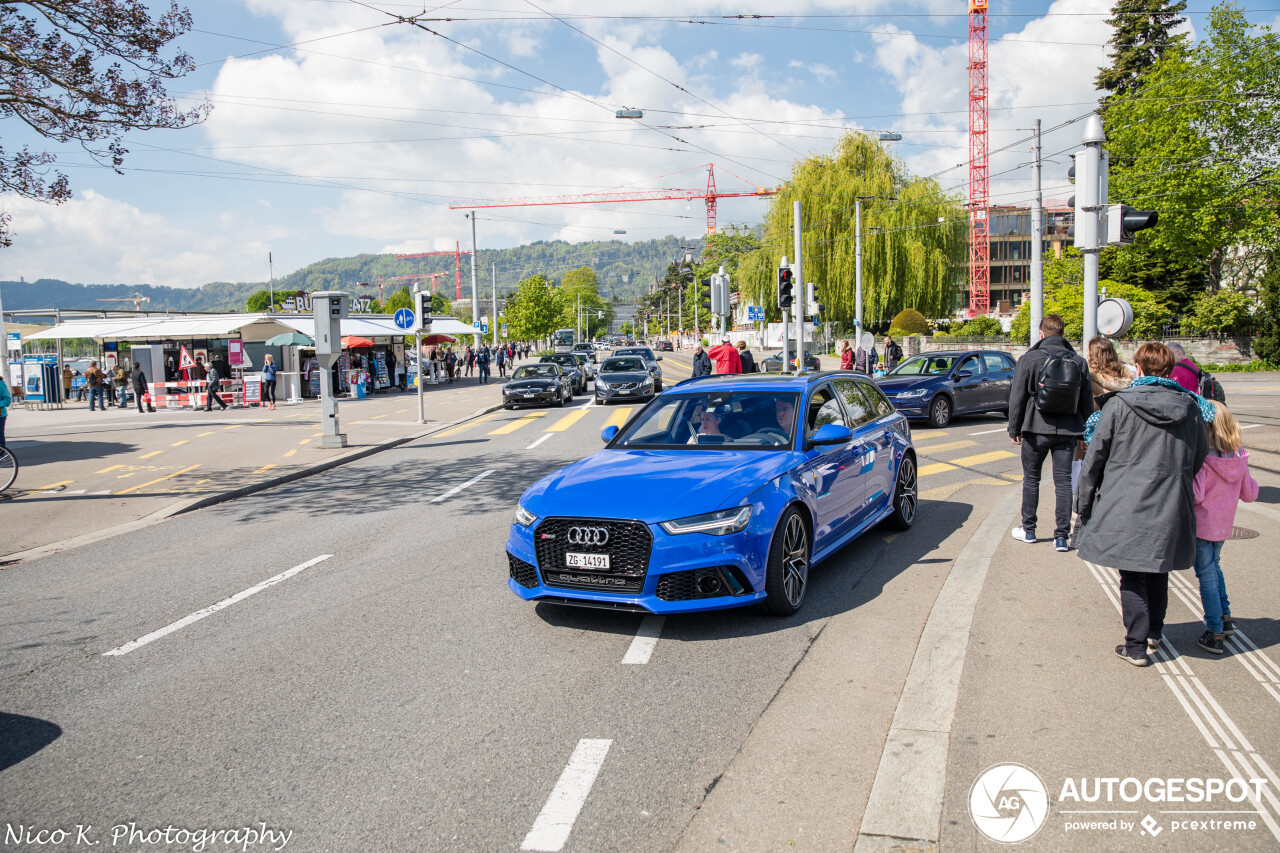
x,y
818,15
273,47
419,25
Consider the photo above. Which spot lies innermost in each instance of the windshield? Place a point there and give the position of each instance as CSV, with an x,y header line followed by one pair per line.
x,y
636,351
564,359
535,371
919,365
737,420
620,364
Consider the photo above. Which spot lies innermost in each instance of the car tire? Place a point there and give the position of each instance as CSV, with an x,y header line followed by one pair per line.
x,y
939,412
657,387
787,573
906,495
507,406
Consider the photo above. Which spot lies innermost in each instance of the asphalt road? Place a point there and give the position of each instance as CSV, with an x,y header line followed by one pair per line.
x,y
390,693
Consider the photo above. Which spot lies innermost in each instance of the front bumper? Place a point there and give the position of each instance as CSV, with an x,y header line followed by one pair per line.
x,y
914,408
530,398
640,392
676,565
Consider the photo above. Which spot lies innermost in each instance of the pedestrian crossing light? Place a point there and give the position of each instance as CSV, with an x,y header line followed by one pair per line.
x,y
1124,221
811,306
422,307
786,286
704,294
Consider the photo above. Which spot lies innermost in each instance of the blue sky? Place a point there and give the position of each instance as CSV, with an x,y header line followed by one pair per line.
x,y
357,140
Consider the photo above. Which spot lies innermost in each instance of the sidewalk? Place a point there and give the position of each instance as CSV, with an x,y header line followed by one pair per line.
x,y
85,474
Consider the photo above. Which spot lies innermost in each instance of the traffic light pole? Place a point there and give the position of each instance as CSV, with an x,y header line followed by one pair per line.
x,y
1037,243
1091,186
857,268
797,271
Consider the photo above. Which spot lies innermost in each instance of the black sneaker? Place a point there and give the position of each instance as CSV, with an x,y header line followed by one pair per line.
x,y
1060,544
1211,643
1228,627
1136,661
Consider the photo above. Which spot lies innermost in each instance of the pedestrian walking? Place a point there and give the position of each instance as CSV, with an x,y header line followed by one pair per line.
x,y
1050,397
726,357
846,356
892,354
214,375
482,364
701,362
864,360
1137,498
391,372
199,372
1107,373
121,381
471,360
501,358
138,380
1185,371
269,380
93,380
1219,487
748,360
67,378
450,363
6,400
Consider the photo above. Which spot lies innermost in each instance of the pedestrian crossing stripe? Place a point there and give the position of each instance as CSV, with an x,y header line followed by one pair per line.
x,y
918,437
935,468
524,421
468,425
983,458
618,418
950,445
568,421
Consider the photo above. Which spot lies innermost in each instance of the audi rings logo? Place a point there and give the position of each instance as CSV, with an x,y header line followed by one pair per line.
x,y
1008,803
587,535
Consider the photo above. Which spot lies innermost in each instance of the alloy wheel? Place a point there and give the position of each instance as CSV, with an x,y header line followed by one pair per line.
x,y
795,560
941,412
907,489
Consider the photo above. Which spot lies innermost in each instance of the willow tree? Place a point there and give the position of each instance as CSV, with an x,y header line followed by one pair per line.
x,y
913,236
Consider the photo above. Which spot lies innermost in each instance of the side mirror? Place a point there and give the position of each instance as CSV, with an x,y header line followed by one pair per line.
x,y
831,434
608,433
963,374
658,357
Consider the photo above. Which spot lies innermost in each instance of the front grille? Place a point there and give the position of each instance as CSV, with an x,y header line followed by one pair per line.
x,y
521,572
628,548
624,386
701,583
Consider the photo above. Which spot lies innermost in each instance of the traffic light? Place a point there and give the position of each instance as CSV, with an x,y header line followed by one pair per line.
x,y
811,306
704,294
1123,221
1089,172
422,307
785,287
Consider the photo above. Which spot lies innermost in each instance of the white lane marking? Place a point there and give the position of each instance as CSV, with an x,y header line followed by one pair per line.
x,y
457,489
1263,669
539,441
555,821
1250,426
989,431
1203,708
646,638
213,608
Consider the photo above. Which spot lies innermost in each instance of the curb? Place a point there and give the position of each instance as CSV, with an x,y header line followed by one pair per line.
x,y
204,501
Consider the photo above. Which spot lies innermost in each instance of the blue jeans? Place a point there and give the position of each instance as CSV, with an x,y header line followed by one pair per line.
x,y
95,393
1213,588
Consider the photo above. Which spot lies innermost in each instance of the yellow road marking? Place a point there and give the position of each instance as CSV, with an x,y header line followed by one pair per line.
x,y
297,415
523,421
922,436
108,470
178,443
202,482
52,486
466,426
158,479
935,468
203,434
567,421
400,411
122,476
233,426
152,453
305,441
982,458
291,452
265,468
941,493
375,417
950,445
619,417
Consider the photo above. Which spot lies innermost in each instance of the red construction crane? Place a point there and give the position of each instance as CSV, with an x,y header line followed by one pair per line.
x,y
434,276
457,260
710,195
979,173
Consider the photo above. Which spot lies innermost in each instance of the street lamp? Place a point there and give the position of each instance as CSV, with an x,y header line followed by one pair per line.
x,y
889,136
857,274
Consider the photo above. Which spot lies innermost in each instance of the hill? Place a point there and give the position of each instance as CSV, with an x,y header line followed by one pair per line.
x,y
625,271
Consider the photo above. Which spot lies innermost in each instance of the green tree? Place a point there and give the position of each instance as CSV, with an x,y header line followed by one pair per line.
x,y
402,298
258,302
913,246
1064,296
1267,343
581,287
535,310
1143,35
1223,312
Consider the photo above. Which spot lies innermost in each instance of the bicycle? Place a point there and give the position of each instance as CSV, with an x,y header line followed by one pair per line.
x,y
8,468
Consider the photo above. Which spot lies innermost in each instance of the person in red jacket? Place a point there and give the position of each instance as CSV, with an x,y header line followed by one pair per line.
x,y
1185,371
726,357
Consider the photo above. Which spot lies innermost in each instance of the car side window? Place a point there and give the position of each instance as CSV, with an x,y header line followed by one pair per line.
x,y
971,364
879,402
824,409
855,402
995,362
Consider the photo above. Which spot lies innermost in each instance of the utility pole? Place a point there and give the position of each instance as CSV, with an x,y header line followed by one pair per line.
x,y
1091,174
422,365
495,303
786,361
271,278
1037,242
475,288
857,268
4,348
798,278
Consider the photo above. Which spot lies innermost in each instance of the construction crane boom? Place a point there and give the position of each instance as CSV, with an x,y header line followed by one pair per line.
x,y
457,253
979,171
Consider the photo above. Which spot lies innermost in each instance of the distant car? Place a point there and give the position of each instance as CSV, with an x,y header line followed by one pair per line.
x,y
537,384
624,377
569,364
588,365
663,346
650,359
587,349
937,386
773,364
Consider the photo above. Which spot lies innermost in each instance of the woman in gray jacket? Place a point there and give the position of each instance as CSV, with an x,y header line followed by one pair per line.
x,y
1136,502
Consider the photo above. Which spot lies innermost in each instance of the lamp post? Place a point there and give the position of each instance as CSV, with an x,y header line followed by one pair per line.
x,y
857,269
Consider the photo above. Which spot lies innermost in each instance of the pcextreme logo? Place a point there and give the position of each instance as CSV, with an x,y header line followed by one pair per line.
x,y
1008,803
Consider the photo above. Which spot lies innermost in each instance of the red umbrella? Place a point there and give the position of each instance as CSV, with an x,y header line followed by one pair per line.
x,y
354,342
438,338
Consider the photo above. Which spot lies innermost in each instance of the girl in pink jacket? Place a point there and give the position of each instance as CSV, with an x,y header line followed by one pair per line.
x,y
1222,483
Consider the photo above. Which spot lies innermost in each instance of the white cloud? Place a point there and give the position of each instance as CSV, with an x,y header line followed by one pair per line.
x,y
823,72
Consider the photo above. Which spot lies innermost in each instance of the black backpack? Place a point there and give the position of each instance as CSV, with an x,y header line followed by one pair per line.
x,y
1210,388
1058,385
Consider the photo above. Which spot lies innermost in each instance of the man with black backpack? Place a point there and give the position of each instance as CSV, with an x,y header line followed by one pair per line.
x,y
1050,398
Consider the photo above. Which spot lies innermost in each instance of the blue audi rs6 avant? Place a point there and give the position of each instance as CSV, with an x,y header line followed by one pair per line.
x,y
723,491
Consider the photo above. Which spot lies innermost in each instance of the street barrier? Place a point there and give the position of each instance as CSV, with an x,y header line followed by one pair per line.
x,y
195,394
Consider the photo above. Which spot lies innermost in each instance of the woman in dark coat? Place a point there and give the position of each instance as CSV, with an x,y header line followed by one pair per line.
x,y
1136,502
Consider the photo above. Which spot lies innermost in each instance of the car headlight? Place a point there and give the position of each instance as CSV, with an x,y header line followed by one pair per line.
x,y
915,392
719,523
524,518
648,381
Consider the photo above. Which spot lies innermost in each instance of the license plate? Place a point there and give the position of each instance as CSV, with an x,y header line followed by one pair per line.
x,y
624,390
530,393
587,561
